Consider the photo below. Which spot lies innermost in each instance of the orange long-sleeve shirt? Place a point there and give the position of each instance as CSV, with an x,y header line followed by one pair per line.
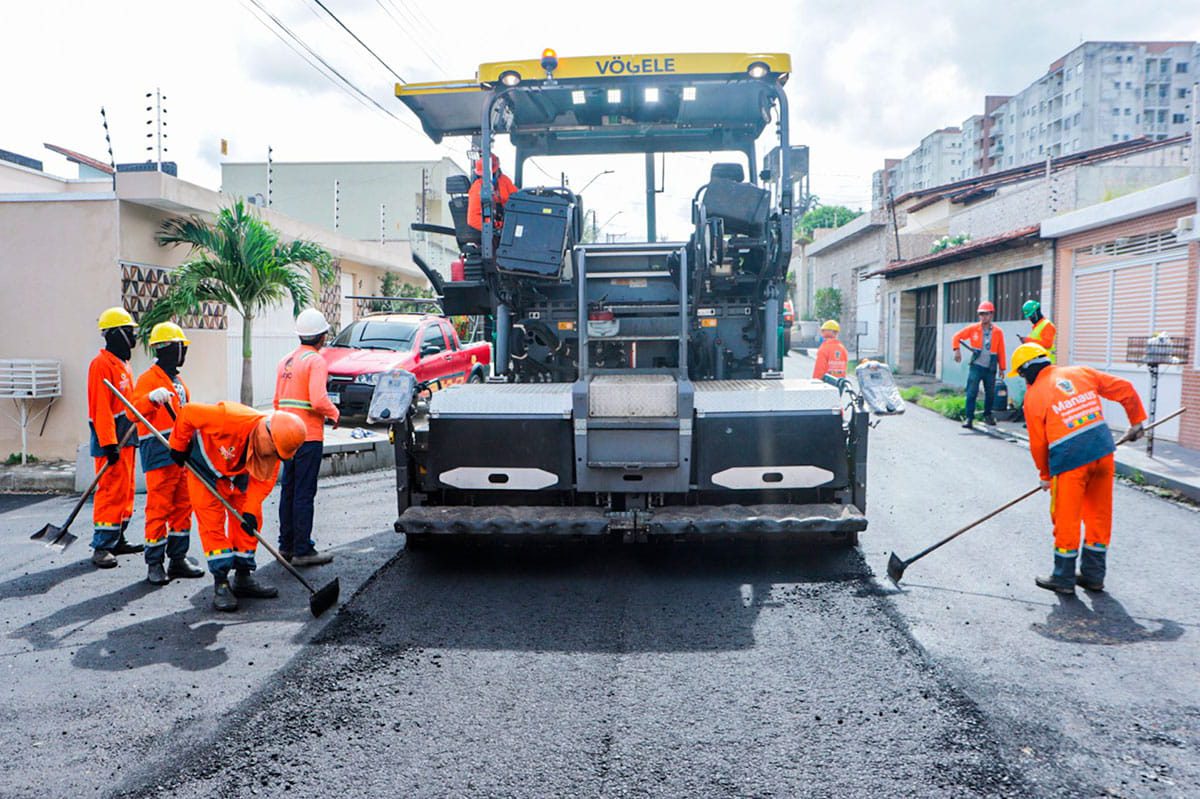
x,y
1065,418
300,388
222,437
106,415
503,190
973,335
832,359
154,454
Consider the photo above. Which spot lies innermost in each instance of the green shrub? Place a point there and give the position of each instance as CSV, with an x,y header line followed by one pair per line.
x,y
14,459
952,406
911,394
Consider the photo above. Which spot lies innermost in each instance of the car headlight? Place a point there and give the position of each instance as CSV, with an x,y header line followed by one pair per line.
x,y
370,378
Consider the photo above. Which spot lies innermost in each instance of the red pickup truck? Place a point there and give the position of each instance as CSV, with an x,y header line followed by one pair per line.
x,y
425,344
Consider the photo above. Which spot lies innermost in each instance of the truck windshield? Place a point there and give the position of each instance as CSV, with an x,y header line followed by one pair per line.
x,y
367,334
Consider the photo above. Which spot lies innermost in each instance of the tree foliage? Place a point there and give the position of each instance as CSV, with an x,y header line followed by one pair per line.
x,y
827,304
240,261
823,216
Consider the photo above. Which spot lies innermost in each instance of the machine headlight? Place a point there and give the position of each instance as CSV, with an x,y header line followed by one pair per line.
x,y
758,70
370,378
510,78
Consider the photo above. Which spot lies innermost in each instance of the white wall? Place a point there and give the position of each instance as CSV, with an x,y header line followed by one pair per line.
x,y
273,337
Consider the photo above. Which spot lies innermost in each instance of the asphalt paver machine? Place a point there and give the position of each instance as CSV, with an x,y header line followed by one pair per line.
x,y
637,387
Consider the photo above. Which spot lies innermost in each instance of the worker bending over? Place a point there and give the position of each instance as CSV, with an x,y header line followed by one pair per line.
x,y
159,395
832,357
987,342
239,450
502,189
1073,449
113,504
300,389
1044,331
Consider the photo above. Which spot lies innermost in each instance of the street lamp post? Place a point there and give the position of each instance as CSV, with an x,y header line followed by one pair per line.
x,y
593,180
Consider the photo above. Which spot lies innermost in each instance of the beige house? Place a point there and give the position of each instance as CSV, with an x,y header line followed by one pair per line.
x,y
71,248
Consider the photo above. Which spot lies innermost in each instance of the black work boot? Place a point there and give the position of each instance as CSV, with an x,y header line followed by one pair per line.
x,y
245,584
968,425
224,599
103,559
156,575
989,420
184,567
123,547
1092,568
1062,581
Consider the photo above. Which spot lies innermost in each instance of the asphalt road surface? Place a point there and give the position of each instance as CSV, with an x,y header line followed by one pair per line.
x,y
706,670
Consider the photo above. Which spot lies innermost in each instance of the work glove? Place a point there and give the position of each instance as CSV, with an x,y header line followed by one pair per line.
x,y
112,452
180,456
1136,432
249,523
1044,485
160,396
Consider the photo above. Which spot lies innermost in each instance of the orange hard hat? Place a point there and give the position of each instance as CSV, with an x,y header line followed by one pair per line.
x,y
985,307
277,435
495,164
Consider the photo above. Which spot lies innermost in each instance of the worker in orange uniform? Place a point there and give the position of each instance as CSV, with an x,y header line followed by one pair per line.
x,y
1044,331
113,504
158,395
502,189
1073,449
238,450
832,357
300,389
987,342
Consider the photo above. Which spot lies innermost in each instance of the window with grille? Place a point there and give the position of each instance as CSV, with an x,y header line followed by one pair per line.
x,y
962,300
1011,290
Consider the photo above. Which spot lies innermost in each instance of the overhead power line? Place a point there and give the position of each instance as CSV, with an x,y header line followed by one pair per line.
x,y
386,66
414,39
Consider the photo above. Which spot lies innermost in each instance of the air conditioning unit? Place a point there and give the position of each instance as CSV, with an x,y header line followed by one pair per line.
x,y
1186,229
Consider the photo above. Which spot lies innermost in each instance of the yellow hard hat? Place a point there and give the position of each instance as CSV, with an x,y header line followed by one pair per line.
x,y
115,317
166,332
1024,354
832,325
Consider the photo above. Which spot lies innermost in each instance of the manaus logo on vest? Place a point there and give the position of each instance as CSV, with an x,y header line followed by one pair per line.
x,y
1065,385
635,66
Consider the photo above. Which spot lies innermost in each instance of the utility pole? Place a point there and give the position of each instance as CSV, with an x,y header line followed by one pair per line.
x,y
270,174
382,223
107,140
895,227
337,197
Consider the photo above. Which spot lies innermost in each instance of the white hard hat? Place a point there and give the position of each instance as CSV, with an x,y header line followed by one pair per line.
x,y
311,323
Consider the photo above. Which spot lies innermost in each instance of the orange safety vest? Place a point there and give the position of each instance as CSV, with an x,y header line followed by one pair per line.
x,y
154,454
832,359
1044,333
974,335
503,190
222,437
107,418
300,388
1065,418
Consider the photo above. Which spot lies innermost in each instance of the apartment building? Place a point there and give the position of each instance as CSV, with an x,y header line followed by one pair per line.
x,y
936,161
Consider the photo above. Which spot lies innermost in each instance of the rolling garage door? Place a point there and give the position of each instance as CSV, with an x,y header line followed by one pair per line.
x,y
1119,301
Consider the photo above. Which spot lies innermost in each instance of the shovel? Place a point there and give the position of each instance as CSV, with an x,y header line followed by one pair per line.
x,y
896,567
319,600
58,536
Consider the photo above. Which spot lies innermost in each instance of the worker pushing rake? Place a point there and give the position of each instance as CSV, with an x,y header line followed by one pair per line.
x,y
1072,448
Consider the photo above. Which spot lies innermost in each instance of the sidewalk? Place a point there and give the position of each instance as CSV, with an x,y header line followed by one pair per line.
x,y
1173,467
348,450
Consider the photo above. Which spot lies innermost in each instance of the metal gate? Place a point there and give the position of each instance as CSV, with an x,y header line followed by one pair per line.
x,y
925,356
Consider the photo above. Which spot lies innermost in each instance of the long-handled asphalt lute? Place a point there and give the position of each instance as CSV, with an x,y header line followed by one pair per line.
x,y
896,567
319,600
58,536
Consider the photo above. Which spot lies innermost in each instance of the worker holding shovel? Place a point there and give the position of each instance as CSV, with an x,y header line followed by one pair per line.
x,y
239,450
159,395
113,505
1073,449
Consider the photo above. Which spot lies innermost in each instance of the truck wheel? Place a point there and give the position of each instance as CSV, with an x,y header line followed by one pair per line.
x,y
417,541
476,377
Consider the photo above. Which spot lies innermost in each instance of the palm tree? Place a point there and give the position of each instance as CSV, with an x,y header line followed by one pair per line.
x,y
241,262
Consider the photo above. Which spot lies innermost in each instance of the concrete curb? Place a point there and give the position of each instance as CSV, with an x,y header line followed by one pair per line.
x,y
1124,469
35,479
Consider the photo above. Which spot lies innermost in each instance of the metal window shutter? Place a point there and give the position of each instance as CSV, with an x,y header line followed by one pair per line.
x,y
1170,298
1089,330
1132,294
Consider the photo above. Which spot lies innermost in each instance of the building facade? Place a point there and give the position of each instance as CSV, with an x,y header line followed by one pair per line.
x,y
368,200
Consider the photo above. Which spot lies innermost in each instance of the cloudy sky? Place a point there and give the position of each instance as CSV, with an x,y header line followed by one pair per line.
x,y
869,78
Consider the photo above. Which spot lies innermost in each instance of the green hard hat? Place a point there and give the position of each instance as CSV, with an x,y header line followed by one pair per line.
x,y
1030,308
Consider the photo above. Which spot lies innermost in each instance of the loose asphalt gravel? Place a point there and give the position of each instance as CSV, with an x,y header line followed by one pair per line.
x,y
608,670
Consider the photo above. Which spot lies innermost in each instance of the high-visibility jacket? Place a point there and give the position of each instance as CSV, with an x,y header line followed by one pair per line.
x,y
973,335
154,454
300,388
501,191
106,415
1065,418
220,435
1044,333
832,359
